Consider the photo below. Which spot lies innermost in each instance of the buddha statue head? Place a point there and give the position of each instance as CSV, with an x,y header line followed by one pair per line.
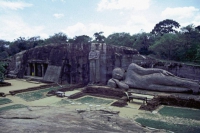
x,y
118,73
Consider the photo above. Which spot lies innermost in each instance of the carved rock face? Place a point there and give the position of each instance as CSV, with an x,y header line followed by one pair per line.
x,y
118,73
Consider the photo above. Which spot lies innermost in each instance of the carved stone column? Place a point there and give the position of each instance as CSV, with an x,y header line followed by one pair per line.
x,y
34,70
42,65
29,70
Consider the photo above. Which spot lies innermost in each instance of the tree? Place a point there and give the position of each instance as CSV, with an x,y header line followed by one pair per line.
x,y
34,41
3,55
198,55
166,47
82,39
165,26
120,39
2,71
57,38
99,37
198,28
142,42
190,37
4,48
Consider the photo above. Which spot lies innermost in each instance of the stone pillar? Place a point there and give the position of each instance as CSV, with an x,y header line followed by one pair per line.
x,y
34,69
80,70
29,70
42,65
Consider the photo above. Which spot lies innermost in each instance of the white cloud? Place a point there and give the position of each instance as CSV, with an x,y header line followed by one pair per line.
x,y
179,12
137,23
58,0
14,5
75,30
196,20
58,15
123,4
14,27
134,25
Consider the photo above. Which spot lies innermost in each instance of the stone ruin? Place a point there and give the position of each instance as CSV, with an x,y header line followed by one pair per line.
x,y
70,62
86,63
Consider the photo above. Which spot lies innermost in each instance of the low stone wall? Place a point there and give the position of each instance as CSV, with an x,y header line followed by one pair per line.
x,y
180,69
5,84
105,91
31,89
172,101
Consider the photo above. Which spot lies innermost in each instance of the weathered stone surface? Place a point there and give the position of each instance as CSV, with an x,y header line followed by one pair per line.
x,y
104,91
52,73
171,100
62,119
75,65
111,83
153,79
74,62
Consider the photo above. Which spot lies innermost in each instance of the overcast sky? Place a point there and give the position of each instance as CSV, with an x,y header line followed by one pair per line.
x,y
44,18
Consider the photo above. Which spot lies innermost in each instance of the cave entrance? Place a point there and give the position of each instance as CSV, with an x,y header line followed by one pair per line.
x,y
37,69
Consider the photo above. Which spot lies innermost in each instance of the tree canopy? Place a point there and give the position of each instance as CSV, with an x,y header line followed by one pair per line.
x,y
2,71
99,37
165,26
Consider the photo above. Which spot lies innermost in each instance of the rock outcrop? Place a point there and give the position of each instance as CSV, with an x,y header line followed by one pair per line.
x,y
70,63
62,119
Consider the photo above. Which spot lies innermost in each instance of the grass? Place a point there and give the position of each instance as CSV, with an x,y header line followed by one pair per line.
x,y
93,100
15,106
5,101
181,112
177,128
35,95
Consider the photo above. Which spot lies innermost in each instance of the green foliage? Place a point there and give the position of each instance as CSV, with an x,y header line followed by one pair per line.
x,y
81,39
165,26
57,38
120,39
99,37
166,47
142,42
22,43
15,106
198,54
2,71
177,128
181,112
5,101
4,50
4,55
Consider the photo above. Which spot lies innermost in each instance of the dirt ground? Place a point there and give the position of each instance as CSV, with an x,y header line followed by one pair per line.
x,y
47,106
17,84
129,111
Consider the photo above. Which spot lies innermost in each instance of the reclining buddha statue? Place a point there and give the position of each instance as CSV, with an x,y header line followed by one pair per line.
x,y
151,79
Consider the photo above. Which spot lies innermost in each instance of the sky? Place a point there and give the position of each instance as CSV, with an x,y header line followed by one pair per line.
x,y
44,18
